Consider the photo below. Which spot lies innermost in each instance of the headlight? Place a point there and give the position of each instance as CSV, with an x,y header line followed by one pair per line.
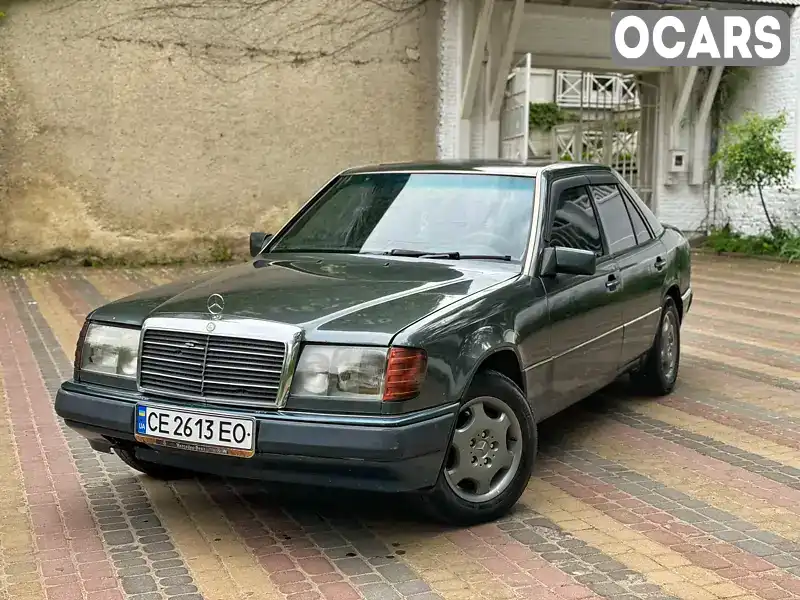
x,y
360,372
110,350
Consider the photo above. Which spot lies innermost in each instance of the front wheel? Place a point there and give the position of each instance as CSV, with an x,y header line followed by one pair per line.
x,y
659,373
491,454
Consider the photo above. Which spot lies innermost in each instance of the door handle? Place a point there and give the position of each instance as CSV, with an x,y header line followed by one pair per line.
x,y
660,263
613,283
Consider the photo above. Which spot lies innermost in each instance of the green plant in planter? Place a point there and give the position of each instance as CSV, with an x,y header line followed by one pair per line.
x,y
626,125
625,157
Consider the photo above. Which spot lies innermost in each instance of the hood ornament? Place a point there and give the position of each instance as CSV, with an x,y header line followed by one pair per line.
x,y
215,304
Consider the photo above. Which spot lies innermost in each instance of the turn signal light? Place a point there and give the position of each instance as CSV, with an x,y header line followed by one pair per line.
x,y
405,372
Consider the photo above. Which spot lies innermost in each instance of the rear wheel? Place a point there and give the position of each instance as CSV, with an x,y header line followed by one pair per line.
x,y
490,457
151,469
659,373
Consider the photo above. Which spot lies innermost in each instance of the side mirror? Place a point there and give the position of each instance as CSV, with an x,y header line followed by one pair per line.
x,y
570,261
257,241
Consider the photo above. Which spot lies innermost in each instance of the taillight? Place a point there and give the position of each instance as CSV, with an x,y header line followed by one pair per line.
x,y
79,350
405,372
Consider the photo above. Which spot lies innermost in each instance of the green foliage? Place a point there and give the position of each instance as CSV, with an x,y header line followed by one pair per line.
x,y
625,157
543,116
220,252
751,157
626,125
780,243
733,80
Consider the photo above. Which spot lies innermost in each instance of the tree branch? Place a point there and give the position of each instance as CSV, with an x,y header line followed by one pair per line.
x,y
219,35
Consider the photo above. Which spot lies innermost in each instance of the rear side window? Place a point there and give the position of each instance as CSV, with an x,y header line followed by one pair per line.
x,y
639,226
655,224
614,218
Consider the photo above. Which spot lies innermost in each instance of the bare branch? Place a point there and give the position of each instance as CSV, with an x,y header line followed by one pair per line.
x,y
225,37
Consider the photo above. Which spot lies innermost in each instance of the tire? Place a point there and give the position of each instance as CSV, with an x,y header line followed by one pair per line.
x,y
496,393
151,469
656,378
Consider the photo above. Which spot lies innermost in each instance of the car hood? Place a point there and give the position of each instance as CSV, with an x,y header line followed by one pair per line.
x,y
334,298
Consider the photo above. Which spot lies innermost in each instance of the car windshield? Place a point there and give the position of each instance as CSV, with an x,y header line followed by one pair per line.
x,y
468,214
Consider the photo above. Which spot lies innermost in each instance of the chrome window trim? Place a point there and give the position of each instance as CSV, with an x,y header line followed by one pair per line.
x,y
237,327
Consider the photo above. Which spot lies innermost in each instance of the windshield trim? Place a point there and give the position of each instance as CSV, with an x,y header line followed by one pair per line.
x,y
523,261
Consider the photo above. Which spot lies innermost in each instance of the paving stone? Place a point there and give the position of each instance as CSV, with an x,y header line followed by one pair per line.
x,y
138,584
378,591
105,487
368,552
409,588
756,548
608,590
179,590
353,566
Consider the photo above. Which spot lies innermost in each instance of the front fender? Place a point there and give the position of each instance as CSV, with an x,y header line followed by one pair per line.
x,y
458,342
479,346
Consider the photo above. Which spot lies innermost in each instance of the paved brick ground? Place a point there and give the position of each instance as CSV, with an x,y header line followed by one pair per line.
x,y
695,496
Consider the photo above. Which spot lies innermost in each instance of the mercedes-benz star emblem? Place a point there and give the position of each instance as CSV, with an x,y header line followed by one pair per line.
x,y
215,304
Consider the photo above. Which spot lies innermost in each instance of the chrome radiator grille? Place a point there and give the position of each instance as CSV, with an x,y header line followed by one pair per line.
x,y
219,369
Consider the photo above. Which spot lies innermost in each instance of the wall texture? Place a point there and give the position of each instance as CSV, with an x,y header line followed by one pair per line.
x,y
168,132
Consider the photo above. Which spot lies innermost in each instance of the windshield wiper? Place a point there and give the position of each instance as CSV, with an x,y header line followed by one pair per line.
x,y
447,255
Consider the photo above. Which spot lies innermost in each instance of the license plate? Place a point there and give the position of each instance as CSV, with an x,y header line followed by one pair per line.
x,y
197,431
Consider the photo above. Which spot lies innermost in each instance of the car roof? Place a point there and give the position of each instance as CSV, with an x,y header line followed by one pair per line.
x,y
530,168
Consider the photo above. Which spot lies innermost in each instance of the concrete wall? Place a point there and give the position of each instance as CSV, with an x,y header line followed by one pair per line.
x,y
128,132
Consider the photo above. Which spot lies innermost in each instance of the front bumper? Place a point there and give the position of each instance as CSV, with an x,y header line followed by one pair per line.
x,y
392,454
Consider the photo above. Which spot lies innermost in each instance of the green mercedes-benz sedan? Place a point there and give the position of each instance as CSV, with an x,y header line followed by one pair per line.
x,y
405,331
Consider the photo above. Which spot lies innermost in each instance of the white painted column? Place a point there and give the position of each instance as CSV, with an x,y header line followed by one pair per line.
x,y
701,130
466,32
662,141
491,123
449,78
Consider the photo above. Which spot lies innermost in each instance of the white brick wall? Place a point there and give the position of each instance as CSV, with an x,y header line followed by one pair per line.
x,y
682,205
768,91
747,215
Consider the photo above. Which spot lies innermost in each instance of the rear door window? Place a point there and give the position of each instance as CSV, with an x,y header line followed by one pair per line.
x,y
614,218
